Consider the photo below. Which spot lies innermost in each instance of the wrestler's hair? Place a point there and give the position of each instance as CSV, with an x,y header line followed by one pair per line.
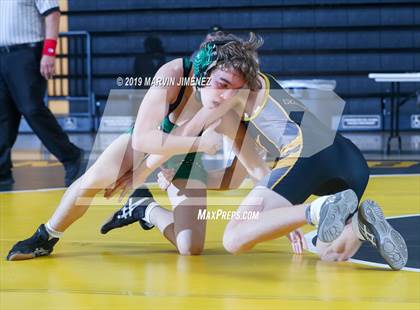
x,y
237,53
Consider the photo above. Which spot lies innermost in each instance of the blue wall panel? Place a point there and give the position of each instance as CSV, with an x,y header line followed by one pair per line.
x,y
342,40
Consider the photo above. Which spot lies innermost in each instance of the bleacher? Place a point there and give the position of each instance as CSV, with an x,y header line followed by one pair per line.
x,y
322,39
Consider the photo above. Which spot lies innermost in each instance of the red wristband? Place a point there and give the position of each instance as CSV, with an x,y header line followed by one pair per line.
x,y
49,47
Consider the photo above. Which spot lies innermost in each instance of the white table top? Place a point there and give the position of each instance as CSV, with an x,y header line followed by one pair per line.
x,y
311,84
395,77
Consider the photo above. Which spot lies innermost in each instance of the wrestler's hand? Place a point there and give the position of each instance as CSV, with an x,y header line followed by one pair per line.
x,y
298,242
165,177
210,140
124,183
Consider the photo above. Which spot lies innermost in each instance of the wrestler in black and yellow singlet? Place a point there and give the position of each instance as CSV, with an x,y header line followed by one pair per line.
x,y
309,158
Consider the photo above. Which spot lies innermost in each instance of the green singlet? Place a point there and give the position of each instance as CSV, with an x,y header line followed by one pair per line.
x,y
186,166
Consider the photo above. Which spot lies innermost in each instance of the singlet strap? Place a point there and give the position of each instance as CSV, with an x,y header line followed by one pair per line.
x,y
186,65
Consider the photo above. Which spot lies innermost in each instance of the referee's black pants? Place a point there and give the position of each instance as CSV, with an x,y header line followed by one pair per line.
x,y
22,89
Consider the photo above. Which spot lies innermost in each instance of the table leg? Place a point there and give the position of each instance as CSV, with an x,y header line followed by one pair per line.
x,y
392,116
397,116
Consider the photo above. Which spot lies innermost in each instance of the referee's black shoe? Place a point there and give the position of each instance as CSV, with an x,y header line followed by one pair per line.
x,y
6,179
74,169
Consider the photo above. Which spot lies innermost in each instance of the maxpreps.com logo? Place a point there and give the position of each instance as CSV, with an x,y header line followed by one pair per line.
x,y
220,214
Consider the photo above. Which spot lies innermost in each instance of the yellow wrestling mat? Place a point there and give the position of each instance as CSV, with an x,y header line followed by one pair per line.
x,y
133,269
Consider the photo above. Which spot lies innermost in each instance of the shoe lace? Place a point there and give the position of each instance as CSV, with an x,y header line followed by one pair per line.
x,y
367,234
40,251
127,211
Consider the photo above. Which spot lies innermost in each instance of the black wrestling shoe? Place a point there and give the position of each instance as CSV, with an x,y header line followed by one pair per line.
x,y
131,212
376,229
40,244
334,213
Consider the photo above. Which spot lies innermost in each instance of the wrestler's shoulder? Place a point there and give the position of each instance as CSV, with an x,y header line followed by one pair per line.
x,y
173,68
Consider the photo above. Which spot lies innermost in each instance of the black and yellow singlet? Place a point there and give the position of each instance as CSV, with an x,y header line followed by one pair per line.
x,y
308,157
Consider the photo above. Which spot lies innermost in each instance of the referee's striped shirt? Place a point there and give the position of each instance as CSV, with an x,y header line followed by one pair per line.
x,y
22,21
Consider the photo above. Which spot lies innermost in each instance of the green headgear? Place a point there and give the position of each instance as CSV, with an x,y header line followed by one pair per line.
x,y
206,58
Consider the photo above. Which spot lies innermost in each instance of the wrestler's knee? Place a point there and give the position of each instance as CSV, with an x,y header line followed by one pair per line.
x,y
189,245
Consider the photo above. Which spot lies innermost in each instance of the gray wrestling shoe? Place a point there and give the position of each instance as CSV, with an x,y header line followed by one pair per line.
x,y
374,227
334,213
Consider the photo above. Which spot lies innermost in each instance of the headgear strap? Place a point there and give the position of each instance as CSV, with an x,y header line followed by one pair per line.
x,y
207,57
